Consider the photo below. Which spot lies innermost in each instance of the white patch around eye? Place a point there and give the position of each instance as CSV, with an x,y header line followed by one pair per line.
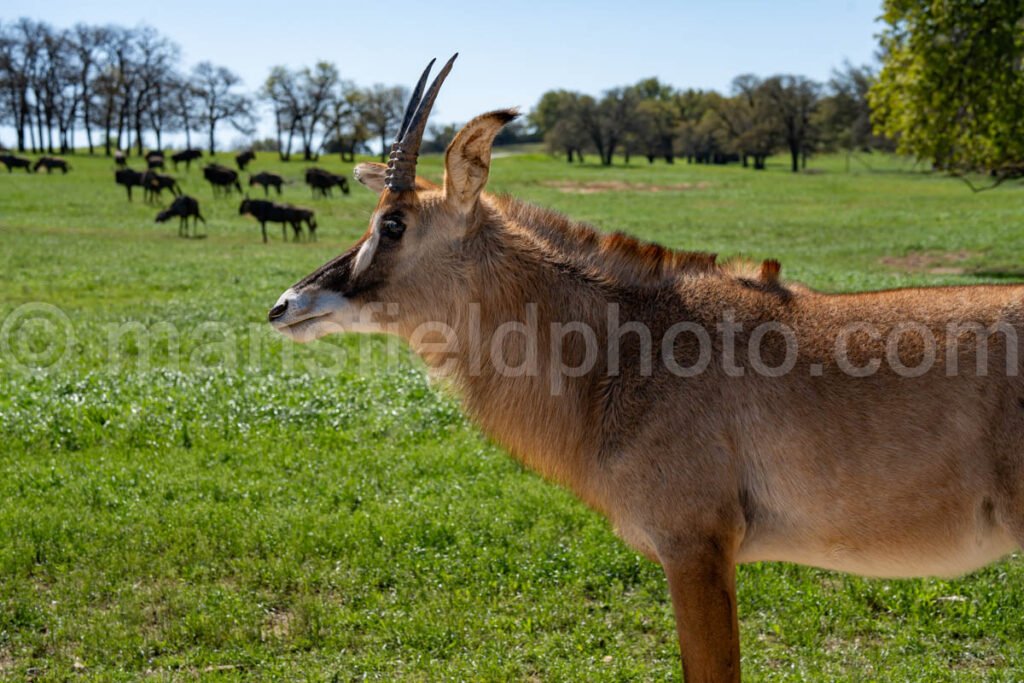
x,y
364,257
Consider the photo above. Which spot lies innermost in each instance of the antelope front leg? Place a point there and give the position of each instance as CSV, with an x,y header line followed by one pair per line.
x,y
703,589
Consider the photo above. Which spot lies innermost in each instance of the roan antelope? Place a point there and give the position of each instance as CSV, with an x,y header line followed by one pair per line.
x,y
771,422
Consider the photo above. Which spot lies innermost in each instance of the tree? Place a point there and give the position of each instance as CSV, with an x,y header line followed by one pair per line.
x,y
951,89
182,99
558,117
794,100
14,82
746,121
693,135
219,102
316,94
384,106
609,121
88,43
155,58
345,120
281,91
657,119
438,137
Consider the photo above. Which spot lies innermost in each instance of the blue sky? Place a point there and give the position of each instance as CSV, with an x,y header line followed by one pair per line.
x,y
510,52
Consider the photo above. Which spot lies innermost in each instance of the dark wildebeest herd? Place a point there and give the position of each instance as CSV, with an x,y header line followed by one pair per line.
x,y
223,182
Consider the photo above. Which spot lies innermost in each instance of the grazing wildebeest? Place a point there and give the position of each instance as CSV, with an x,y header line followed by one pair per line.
x,y
50,163
183,207
155,183
267,180
154,159
321,181
129,178
222,178
265,212
714,413
120,159
243,158
187,156
12,162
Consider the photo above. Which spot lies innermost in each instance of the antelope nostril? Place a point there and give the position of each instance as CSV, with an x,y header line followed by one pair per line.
x,y
278,310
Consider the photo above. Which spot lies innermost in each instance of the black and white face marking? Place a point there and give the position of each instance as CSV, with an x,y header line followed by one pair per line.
x,y
391,227
331,299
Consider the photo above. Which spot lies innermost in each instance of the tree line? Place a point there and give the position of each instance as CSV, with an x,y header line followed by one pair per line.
x,y
113,84
950,91
121,88
759,117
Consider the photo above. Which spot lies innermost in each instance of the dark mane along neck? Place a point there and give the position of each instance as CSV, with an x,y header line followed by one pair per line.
x,y
621,258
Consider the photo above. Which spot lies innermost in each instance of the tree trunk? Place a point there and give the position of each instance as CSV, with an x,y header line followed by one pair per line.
x,y
288,150
138,132
107,125
213,130
87,123
39,127
120,130
277,124
794,154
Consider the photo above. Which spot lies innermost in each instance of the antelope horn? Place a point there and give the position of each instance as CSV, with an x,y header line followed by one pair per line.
x,y
401,171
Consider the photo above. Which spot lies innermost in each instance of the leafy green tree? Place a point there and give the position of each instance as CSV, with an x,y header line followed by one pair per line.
x,y
951,90
558,117
610,121
656,122
747,121
793,101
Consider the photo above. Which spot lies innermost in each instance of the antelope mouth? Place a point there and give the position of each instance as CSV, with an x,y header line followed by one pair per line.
x,y
304,316
308,329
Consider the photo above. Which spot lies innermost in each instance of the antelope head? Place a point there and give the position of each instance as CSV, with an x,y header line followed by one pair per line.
x,y
412,258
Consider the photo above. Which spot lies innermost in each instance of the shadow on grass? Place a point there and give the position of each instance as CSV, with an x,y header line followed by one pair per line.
x,y
998,273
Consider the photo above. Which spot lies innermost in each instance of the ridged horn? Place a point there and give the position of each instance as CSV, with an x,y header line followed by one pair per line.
x,y
401,172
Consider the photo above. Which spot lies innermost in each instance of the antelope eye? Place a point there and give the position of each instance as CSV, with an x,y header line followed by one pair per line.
x,y
392,227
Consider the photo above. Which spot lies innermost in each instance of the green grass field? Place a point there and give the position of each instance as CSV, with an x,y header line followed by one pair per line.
x,y
186,495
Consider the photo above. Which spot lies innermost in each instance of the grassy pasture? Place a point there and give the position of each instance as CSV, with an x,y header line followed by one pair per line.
x,y
186,495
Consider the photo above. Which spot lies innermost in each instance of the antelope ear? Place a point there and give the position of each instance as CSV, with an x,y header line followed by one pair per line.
x,y
468,159
371,175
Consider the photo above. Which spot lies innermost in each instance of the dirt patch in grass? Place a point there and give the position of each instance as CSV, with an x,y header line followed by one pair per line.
x,y
277,625
594,187
933,262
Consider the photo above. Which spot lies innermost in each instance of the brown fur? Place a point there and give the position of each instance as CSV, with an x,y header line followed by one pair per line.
x,y
880,475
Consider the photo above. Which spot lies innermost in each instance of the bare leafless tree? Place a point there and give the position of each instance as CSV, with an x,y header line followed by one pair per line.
x,y
280,90
220,102
382,113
